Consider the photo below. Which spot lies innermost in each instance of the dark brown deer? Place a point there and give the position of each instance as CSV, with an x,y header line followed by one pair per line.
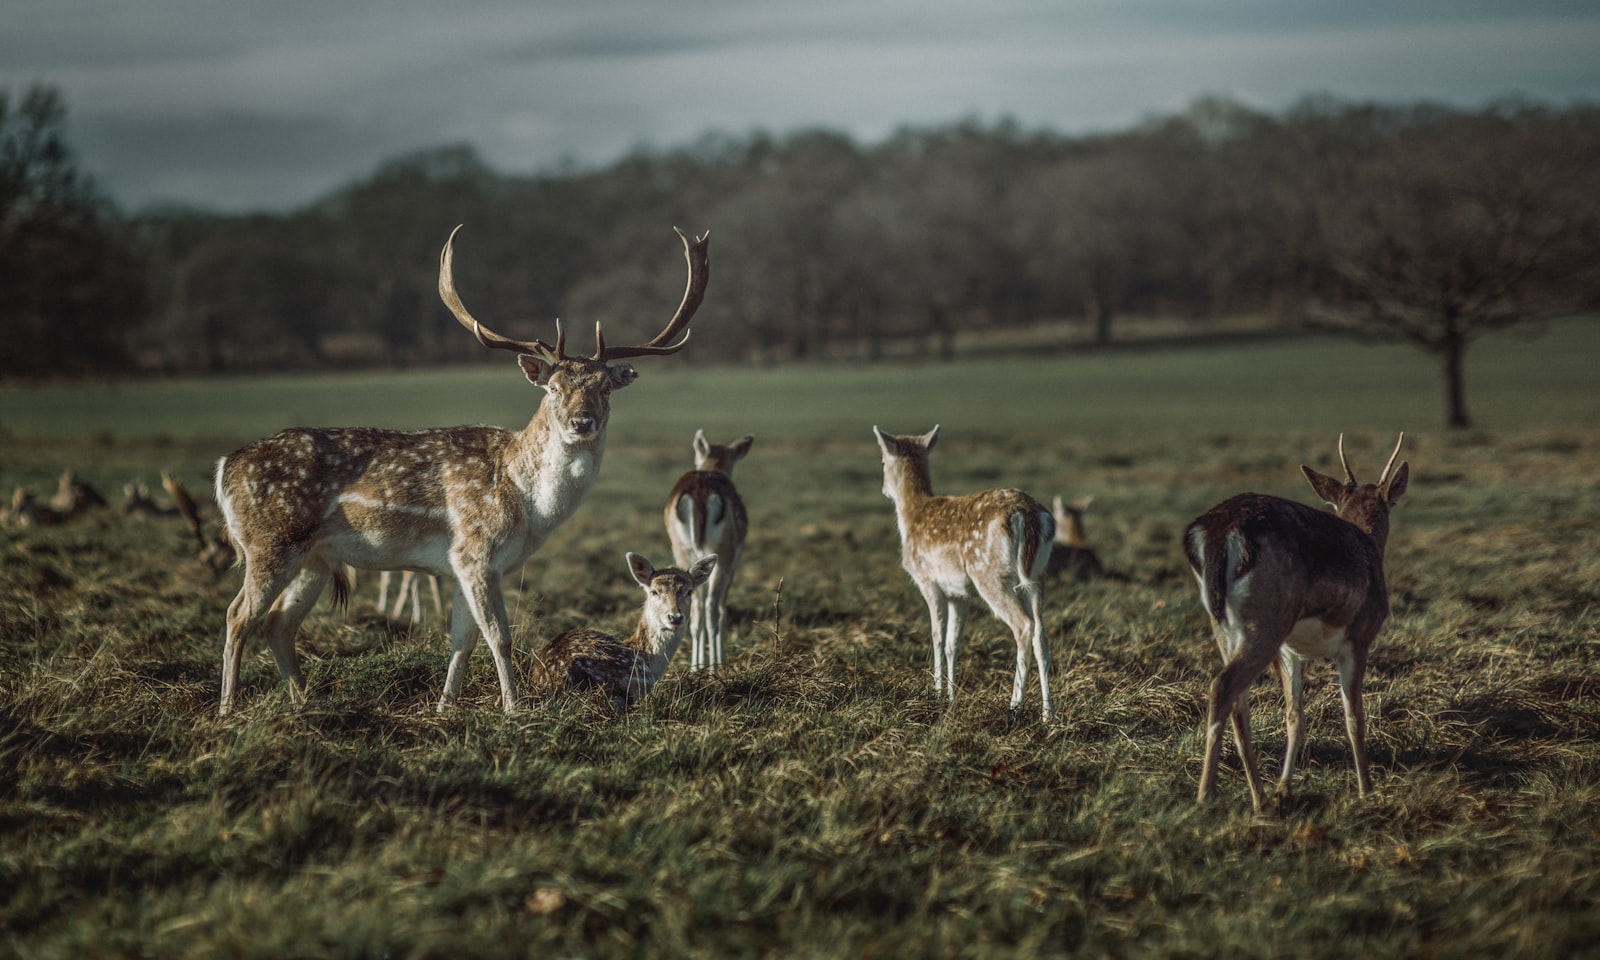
x,y
705,517
215,550
471,503
625,668
1284,583
995,543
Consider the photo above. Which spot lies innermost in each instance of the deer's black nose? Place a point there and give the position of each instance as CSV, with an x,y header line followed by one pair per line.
x,y
583,426
675,618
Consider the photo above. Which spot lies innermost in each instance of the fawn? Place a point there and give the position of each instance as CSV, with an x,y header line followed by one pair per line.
x,y
705,517
996,543
625,669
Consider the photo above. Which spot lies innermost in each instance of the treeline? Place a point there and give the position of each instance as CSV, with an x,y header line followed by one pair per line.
x,y
1419,222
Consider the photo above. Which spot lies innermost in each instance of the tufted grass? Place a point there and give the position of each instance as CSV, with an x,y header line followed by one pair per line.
x,y
818,800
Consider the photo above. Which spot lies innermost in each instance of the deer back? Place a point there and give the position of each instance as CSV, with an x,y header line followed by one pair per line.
x,y
978,534
704,511
373,498
1262,555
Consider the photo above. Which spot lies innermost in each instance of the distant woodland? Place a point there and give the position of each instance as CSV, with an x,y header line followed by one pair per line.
x,y
1416,222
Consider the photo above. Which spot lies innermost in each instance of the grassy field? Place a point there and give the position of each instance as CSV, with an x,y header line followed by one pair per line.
x,y
818,800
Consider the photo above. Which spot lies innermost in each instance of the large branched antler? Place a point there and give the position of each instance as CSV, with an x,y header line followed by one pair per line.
x,y
695,253
486,336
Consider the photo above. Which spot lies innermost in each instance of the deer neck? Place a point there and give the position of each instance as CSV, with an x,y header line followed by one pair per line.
x,y
554,471
909,487
658,645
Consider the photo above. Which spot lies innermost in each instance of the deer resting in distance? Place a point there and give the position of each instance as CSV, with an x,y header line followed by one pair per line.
x,y
625,669
995,543
1071,555
216,551
1285,583
470,503
706,518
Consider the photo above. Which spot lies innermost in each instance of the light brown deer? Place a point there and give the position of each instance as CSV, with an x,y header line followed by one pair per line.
x,y
625,669
995,543
1284,583
409,588
705,517
74,495
471,503
1071,555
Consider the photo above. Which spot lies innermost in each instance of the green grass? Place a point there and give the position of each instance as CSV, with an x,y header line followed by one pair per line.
x,y
818,800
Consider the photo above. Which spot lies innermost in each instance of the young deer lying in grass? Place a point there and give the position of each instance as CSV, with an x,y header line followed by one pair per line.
x,y
1071,555
996,543
705,518
1285,583
625,669
471,503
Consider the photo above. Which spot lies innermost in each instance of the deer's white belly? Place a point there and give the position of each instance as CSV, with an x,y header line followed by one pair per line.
x,y
1312,638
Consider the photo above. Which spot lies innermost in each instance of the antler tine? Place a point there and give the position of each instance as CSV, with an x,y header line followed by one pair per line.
x,y
695,254
1349,475
1392,457
486,336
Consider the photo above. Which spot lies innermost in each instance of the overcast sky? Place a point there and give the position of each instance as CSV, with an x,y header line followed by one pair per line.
x,y
273,103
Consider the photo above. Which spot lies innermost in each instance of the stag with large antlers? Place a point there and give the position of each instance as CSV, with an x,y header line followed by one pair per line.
x,y
471,503
1285,583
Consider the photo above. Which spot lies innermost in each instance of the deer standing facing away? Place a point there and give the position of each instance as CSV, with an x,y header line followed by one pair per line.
x,y
705,517
996,543
471,503
1071,554
626,669
1285,583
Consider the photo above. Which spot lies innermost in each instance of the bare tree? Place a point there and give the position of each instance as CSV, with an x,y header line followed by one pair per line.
x,y
1434,228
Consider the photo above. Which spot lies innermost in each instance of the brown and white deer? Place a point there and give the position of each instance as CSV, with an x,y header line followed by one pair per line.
x,y
625,668
1071,556
471,503
1284,583
705,517
995,543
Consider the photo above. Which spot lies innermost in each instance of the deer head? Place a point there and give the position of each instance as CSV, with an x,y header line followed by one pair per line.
x,y
578,389
1365,505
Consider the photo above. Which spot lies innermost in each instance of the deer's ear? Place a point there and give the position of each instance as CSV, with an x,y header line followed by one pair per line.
x,y
702,446
931,438
701,571
1326,487
536,369
641,569
889,445
621,375
1397,483
741,447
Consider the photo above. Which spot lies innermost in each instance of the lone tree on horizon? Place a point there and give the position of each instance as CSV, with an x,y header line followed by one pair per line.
x,y
1434,228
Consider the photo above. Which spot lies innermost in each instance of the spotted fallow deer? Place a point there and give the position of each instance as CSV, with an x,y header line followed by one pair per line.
x,y
1284,583
625,669
996,543
705,517
471,503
